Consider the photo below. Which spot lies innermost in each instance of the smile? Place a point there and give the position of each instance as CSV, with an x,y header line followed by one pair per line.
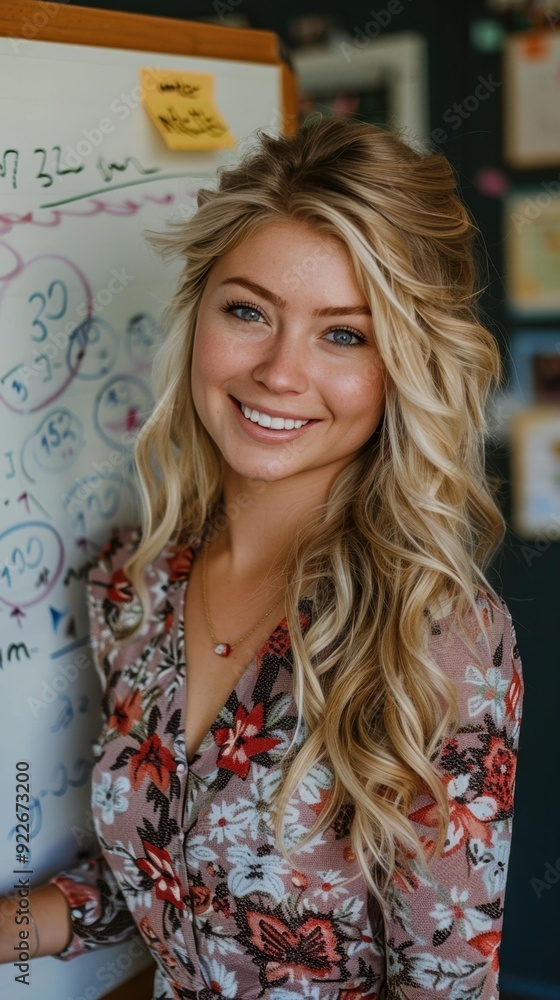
x,y
267,420
264,427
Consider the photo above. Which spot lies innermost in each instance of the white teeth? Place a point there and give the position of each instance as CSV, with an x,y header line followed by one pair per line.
x,y
265,420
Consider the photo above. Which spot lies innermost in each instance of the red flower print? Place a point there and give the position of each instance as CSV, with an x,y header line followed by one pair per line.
x,y
355,993
488,944
513,695
148,932
240,742
499,765
119,590
221,905
467,820
126,713
157,864
79,894
300,880
152,760
180,564
311,950
200,896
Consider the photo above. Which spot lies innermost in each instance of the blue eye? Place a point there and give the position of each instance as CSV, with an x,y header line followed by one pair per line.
x,y
352,333
232,307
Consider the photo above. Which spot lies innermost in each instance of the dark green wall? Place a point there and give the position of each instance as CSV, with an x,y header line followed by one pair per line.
x,y
530,954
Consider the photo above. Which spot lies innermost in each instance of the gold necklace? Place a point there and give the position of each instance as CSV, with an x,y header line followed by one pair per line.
x,y
224,648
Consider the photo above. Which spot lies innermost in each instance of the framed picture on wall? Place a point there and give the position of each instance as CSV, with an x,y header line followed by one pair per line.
x,y
535,472
531,99
385,82
531,226
535,366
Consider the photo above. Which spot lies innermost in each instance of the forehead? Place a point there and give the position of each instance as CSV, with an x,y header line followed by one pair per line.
x,y
292,254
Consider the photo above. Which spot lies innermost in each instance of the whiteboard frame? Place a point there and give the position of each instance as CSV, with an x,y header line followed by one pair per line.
x,y
26,20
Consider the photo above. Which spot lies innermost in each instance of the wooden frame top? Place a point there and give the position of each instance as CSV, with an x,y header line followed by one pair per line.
x,y
35,19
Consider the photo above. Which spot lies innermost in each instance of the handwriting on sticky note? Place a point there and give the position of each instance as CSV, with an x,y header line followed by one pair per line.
x,y
182,106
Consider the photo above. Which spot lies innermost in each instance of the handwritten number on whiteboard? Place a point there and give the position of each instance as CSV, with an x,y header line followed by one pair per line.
x,y
4,166
93,501
81,768
54,438
39,295
41,172
19,561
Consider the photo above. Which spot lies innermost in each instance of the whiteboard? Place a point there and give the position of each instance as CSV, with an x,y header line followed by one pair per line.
x,y
74,199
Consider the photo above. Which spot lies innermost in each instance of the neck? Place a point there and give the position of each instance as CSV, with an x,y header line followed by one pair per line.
x,y
263,519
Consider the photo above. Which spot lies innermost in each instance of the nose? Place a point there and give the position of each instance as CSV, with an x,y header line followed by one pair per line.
x,y
284,364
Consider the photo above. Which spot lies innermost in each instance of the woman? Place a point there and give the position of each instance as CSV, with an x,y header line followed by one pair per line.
x,y
304,782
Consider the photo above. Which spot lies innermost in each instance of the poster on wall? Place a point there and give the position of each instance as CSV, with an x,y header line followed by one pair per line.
x,y
535,473
535,366
531,95
531,226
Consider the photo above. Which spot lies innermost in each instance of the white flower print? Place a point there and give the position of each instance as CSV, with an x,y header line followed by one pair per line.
x,y
218,978
252,873
495,873
110,796
470,921
329,888
317,779
130,880
225,822
197,851
254,811
179,748
492,690
136,674
216,939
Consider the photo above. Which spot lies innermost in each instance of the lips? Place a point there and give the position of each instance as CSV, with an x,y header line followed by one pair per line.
x,y
267,435
239,405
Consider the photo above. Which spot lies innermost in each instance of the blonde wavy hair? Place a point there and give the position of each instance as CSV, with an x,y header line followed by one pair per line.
x,y
410,525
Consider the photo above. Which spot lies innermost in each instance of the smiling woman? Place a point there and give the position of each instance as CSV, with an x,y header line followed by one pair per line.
x,y
282,357
319,801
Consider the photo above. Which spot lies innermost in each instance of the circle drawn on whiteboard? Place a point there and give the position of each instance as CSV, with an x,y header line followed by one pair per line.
x,y
142,337
121,408
53,445
10,262
31,557
41,308
96,499
95,345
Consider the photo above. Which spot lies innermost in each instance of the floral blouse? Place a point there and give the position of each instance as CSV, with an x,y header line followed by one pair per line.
x,y
188,858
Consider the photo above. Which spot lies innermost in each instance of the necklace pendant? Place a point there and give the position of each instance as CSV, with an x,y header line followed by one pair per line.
x,y
223,649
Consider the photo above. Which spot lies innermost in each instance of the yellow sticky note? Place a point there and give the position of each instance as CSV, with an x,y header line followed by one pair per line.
x,y
181,105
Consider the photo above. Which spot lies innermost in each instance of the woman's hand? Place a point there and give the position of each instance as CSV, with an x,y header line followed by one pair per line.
x,y
47,922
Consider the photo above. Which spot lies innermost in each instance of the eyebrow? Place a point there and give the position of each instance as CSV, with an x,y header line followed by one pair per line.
x,y
281,303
